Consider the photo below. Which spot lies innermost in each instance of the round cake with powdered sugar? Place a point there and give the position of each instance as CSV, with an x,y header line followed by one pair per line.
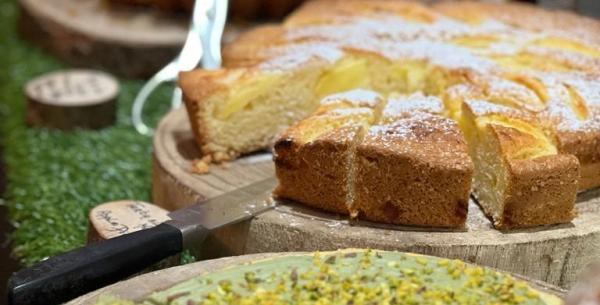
x,y
516,120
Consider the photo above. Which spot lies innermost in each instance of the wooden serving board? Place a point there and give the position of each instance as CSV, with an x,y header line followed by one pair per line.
x,y
141,286
554,254
131,42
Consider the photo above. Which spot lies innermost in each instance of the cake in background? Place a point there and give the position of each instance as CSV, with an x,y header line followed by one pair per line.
x,y
239,9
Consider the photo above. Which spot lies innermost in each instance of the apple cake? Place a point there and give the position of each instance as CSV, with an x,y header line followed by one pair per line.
x,y
521,83
312,158
412,167
520,177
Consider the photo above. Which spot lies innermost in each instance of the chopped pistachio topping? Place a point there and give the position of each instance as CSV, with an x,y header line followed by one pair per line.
x,y
351,278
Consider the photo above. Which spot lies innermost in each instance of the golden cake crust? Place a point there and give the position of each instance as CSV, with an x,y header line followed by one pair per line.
x,y
193,95
318,12
540,190
391,172
414,171
246,49
524,16
313,157
535,186
315,173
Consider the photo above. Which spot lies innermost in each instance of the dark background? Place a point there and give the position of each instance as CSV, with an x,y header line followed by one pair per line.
x,y
7,264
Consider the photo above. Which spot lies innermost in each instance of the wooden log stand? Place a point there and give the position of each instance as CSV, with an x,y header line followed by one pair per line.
x,y
72,99
130,42
116,218
553,254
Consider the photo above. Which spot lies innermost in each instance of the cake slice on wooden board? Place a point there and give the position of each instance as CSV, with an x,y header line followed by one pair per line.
x,y
520,178
349,159
313,157
566,107
413,167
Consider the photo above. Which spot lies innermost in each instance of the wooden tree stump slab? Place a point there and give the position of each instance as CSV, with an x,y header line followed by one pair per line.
x,y
554,254
141,286
115,218
130,42
72,99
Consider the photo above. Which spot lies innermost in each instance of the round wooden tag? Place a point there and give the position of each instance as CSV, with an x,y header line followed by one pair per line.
x,y
116,218
72,98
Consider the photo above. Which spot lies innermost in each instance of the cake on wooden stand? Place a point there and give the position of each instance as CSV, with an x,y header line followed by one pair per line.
x,y
555,254
523,98
503,95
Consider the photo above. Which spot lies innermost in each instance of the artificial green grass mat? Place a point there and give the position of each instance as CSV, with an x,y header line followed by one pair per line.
x,y
55,178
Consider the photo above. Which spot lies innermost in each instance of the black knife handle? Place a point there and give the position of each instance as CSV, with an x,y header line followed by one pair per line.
x,y
64,277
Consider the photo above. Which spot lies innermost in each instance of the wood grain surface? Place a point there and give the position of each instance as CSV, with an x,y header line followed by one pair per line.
x,y
555,254
69,99
132,43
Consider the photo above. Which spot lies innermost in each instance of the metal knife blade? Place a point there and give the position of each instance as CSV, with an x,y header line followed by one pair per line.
x,y
196,221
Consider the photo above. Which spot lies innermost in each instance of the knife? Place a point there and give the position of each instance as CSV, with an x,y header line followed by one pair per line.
x,y
69,275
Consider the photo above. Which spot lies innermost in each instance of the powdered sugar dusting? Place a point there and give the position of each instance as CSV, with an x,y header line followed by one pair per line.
x,y
513,72
416,127
422,137
401,106
358,97
483,108
293,57
350,112
393,37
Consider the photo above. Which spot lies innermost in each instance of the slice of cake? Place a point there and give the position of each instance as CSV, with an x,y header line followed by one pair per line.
x,y
238,111
355,156
313,157
413,168
574,111
520,178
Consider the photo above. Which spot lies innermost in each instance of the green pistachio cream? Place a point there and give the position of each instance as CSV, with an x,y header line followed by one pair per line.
x,y
349,277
